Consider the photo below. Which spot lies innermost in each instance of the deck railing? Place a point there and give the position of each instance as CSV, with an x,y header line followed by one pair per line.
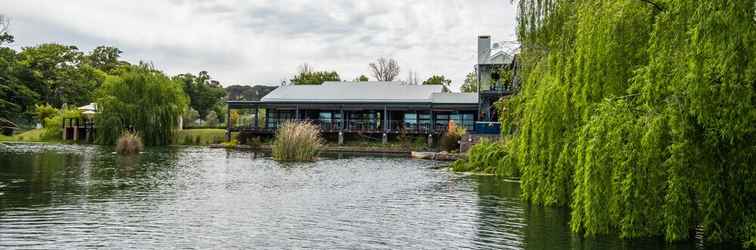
x,y
358,126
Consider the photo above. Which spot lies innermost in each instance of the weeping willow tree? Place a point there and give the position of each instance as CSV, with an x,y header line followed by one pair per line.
x,y
640,115
140,99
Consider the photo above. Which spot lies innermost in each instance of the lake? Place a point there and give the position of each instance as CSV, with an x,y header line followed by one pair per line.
x,y
68,196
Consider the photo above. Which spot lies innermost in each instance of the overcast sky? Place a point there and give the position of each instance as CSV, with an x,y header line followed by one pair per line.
x,y
264,42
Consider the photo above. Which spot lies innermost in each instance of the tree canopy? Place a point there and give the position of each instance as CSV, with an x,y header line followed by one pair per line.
x,y
438,80
203,92
471,83
140,99
308,76
639,115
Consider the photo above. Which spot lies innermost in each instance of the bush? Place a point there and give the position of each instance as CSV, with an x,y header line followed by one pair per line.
x,y
44,111
487,157
450,140
53,129
297,141
129,143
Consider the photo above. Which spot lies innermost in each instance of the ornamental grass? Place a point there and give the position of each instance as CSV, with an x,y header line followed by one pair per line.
x,y
129,143
297,141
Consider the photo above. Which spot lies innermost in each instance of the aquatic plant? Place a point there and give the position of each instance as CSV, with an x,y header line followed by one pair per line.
x,y
297,141
129,143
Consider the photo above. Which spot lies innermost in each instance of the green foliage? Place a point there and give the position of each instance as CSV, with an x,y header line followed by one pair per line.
x,y
141,99
361,78
315,77
487,157
639,115
105,58
204,93
438,80
471,83
56,73
44,111
297,141
53,129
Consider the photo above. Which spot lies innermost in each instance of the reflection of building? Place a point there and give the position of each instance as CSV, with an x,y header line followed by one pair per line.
x,y
495,70
362,107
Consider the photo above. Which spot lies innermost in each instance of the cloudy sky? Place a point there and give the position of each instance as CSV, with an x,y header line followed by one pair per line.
x,y
264,41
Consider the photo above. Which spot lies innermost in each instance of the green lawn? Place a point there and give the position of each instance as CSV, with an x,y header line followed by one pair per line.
x,y
34,135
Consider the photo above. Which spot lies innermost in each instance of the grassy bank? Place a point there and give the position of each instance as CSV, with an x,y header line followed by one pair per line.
x,y
34,135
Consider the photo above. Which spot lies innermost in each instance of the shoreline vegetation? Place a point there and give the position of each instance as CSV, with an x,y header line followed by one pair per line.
x,y
638,117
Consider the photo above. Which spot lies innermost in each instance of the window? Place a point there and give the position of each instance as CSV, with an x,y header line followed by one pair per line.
x,y
410,120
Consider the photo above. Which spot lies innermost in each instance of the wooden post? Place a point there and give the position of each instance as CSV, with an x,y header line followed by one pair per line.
x,y
296,113
65,131
257,116
386,126
76,130
228,123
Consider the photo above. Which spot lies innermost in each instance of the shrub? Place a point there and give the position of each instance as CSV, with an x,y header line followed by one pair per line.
x,y
450,140
487,157
231,144
129,143
297,141
44,111
53,129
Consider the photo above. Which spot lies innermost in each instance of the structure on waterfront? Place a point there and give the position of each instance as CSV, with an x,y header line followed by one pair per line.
x,y
495,71
359,107
384,108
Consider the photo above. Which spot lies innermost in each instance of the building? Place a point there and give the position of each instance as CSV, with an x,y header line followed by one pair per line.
x,y
494,60
383,108
359,107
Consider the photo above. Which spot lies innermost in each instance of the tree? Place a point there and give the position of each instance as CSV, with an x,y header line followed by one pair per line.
x,y
211,119
4,36
307,76
105,58
438,80
141,99
57,74
385,69
203,92
471,83
361,78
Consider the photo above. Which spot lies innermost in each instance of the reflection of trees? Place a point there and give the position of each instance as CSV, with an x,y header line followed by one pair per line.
x,y
54,177
500,220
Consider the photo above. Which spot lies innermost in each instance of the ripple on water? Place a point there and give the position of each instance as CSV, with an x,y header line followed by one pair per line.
x,y
67,196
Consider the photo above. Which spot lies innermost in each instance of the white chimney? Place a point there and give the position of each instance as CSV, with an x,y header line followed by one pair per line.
x,y
484,49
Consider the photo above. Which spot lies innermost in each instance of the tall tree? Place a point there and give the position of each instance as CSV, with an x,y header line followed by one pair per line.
x,y
385,69
57,74
438,80
143,99
203,92
4,36
105,58
471,83
15,97
308,76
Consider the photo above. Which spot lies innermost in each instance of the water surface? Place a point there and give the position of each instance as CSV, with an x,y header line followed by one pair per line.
x,y
66,196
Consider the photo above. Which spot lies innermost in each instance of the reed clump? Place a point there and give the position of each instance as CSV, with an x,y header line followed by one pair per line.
x,y
297,141
129,143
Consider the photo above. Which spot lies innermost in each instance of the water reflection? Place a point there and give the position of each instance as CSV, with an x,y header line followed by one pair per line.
x,y
54,196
